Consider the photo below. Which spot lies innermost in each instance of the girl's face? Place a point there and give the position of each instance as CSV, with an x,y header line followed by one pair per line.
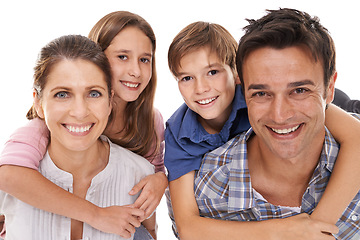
x,y
75,104
130,55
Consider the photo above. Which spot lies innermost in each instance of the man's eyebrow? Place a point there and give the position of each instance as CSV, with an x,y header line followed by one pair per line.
x,y
290,85
301,83
258,86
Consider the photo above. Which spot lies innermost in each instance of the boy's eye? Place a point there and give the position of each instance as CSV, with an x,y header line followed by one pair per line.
x,y
185,79
61,95
95,94
213,72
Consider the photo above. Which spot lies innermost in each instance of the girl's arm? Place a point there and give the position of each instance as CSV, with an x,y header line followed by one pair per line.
x,y
191,226
19,177
151,226
29,186
153,186
344,183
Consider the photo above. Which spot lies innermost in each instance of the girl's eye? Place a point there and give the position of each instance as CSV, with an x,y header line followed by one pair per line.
x,y
123,57
213,72
145,60
185,79
61,95
95,94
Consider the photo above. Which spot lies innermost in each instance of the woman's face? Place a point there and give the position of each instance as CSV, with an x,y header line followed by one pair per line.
x,y
75,104
130,55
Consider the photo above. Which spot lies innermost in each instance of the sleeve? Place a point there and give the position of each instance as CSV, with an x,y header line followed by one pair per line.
x,y
158,160
178,161
26,146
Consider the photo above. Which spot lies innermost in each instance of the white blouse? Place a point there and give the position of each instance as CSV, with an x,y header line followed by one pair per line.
x,y
109,187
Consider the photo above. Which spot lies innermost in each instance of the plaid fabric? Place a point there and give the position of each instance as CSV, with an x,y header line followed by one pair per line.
x,y
223,188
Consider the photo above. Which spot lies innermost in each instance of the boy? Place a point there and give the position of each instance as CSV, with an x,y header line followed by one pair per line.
x,y
202,59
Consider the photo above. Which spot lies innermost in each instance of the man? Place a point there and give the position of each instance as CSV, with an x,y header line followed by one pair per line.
x,y
281,166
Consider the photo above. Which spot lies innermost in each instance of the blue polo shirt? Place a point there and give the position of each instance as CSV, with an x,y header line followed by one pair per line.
x,y
186,141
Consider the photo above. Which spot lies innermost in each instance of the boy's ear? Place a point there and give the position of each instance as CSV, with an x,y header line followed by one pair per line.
x,y
237,79
37,105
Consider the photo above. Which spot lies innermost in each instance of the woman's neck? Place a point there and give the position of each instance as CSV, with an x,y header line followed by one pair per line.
x,y
81,164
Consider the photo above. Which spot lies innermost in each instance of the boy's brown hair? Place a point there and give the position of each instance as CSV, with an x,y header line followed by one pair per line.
x,y
202,34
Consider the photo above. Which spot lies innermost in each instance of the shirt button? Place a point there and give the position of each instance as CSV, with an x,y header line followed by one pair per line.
x,y
354,217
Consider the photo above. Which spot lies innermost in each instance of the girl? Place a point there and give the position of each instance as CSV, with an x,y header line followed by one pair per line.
x,y
129,43
72,95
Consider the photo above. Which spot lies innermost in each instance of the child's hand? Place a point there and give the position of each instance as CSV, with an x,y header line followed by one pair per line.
x,y
153,188
303,227
120,220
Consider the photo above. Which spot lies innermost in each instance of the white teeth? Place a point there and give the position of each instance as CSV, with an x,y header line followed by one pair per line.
x,y
206,101
285,131
132,85
78,129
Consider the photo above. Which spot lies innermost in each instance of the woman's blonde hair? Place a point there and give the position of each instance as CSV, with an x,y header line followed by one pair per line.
x,y
139,115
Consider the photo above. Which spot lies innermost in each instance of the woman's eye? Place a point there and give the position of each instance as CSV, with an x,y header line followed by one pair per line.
x,y
61,95
213,72
95,94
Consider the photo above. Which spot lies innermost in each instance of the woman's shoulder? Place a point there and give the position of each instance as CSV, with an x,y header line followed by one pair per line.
x,y
127,159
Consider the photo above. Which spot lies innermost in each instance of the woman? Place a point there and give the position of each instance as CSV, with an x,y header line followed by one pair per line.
x,y
129,43
72,95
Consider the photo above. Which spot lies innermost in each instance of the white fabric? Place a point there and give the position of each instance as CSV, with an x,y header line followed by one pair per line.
x,y
109,187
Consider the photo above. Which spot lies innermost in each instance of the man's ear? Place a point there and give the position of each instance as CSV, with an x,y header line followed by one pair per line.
x,y
331,89
37,104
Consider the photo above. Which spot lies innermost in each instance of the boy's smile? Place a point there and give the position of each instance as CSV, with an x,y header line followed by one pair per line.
x,y
207,86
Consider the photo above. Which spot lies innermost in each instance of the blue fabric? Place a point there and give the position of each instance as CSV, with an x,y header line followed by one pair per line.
x,y
186,141
142,233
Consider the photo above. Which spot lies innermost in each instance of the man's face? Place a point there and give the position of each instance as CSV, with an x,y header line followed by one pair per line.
x,y
286,99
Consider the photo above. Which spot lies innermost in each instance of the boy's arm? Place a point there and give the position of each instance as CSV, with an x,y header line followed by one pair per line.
x,y
344,183
191,226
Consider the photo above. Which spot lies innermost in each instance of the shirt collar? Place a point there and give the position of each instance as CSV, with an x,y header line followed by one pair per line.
x,y
193,130
241,195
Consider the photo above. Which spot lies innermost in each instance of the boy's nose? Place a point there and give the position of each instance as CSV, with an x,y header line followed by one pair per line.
x,y
201,85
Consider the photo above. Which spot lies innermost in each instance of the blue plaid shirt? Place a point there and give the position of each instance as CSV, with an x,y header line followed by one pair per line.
x,y
223,188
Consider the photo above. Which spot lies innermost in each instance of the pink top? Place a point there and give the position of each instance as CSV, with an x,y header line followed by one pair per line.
x,y
27,145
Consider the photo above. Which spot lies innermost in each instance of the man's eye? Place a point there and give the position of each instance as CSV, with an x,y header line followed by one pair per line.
x,y
259,94
61,95
300,90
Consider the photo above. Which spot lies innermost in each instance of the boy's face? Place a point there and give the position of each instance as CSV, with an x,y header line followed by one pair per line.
x,y
207,86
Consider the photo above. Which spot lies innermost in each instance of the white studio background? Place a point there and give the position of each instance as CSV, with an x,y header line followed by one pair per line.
x,y
26,26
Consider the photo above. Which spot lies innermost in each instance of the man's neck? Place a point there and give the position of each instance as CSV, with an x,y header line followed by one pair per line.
x,y
281,181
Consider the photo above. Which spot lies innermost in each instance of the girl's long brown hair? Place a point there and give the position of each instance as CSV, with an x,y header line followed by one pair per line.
x,y
139,131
